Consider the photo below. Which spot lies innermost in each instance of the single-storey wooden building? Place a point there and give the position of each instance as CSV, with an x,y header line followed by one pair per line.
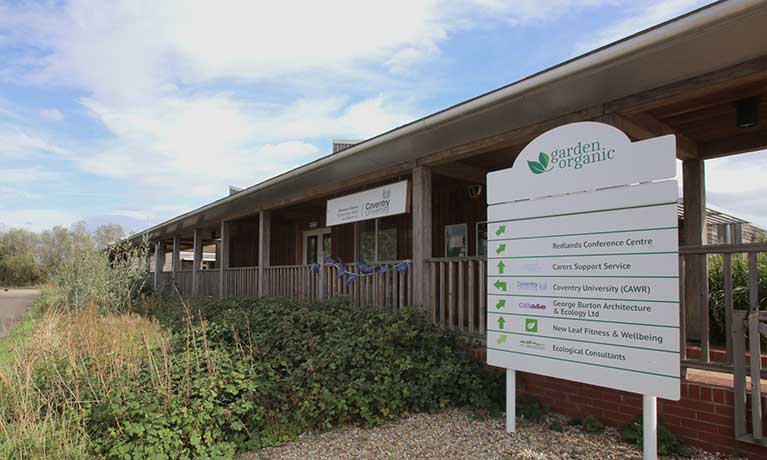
x,y
413,199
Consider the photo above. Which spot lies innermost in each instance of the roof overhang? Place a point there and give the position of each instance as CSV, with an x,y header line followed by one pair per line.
x,y
715,37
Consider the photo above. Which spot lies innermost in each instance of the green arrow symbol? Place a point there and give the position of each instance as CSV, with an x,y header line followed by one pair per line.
x,y
501,303
501,248
501,230
501,339
500,285
501,322
501,266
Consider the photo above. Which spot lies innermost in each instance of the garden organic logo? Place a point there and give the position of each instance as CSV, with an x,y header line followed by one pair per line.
x,y
542,165
575,157
531,325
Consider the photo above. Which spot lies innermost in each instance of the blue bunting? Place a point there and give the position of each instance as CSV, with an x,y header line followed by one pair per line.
x,y
350,278
364,269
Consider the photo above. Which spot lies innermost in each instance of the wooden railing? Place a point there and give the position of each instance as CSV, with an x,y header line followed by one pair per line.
x,y
459,293
298,281
391,288
241,282
740,259
208,282
184,282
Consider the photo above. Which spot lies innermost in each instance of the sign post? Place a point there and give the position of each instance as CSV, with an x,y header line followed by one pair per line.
x,y
583,265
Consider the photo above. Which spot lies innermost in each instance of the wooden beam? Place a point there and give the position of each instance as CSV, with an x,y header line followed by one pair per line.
x,y
696,273
264,244
223,262
744,73
746,142
462,171
196,261
159,262
643,126
422,243
175,256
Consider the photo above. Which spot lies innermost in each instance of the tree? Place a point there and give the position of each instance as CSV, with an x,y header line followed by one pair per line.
x,y
109,234
18,264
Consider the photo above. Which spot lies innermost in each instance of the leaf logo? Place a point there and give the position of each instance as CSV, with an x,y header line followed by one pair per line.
x,y
540,166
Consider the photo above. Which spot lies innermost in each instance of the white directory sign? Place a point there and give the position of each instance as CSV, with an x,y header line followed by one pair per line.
x,y
388,200
583,272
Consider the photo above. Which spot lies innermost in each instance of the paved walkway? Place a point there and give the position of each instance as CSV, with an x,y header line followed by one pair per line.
x,y
13,304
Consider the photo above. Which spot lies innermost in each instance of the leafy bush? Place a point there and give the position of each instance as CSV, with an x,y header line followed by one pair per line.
x,y
668,443
740,289
592,425
109,279
530,408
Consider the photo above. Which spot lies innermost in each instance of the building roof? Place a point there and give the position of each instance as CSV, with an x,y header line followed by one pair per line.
x,y
716,36
713,215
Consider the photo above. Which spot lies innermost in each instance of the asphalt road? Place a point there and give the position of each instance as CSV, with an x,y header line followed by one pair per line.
x,y
13,304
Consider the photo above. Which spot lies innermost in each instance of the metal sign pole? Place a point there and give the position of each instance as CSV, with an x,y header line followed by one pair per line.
x,y
511,400
650,427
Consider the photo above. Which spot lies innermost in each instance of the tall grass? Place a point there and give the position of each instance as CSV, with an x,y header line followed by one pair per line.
x,y
69,360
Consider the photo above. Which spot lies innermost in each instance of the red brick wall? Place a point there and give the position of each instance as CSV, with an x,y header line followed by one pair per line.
x,y
703,417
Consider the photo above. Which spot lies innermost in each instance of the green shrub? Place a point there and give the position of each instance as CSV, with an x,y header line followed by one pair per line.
x,y
109,279
668,443
246,374
740,289
530,408
592,425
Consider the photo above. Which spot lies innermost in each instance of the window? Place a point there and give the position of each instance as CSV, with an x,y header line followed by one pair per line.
x,y
481,233
456,239
378,240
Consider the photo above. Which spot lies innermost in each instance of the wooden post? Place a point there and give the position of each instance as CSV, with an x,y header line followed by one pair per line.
x,y
223,261
264,238
196,261
696,274
323,288
159,262
421,203
175,256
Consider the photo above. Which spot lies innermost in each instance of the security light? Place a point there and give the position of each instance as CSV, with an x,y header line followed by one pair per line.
x,y
747,112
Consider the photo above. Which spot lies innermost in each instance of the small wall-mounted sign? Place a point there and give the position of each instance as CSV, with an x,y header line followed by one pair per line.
x,y
388,200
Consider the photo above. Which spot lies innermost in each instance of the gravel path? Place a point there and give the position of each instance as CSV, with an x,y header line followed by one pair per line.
x,y
457,435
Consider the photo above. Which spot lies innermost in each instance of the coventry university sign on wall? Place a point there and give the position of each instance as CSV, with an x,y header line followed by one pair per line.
x,y
387,200
583,273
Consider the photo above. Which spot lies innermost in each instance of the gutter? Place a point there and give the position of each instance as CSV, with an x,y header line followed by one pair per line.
x,y
719,11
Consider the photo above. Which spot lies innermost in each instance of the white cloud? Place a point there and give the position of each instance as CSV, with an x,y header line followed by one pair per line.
x,y
151,73
35,219
639,15
51,115
736,184
19,176
15,194
18,142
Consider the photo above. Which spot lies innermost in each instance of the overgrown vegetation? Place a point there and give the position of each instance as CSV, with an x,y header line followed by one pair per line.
x,y
221,376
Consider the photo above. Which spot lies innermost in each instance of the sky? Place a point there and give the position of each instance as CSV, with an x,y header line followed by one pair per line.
x,y
133,112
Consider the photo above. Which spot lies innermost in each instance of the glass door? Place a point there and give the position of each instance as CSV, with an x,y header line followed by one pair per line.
x,y
312,241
